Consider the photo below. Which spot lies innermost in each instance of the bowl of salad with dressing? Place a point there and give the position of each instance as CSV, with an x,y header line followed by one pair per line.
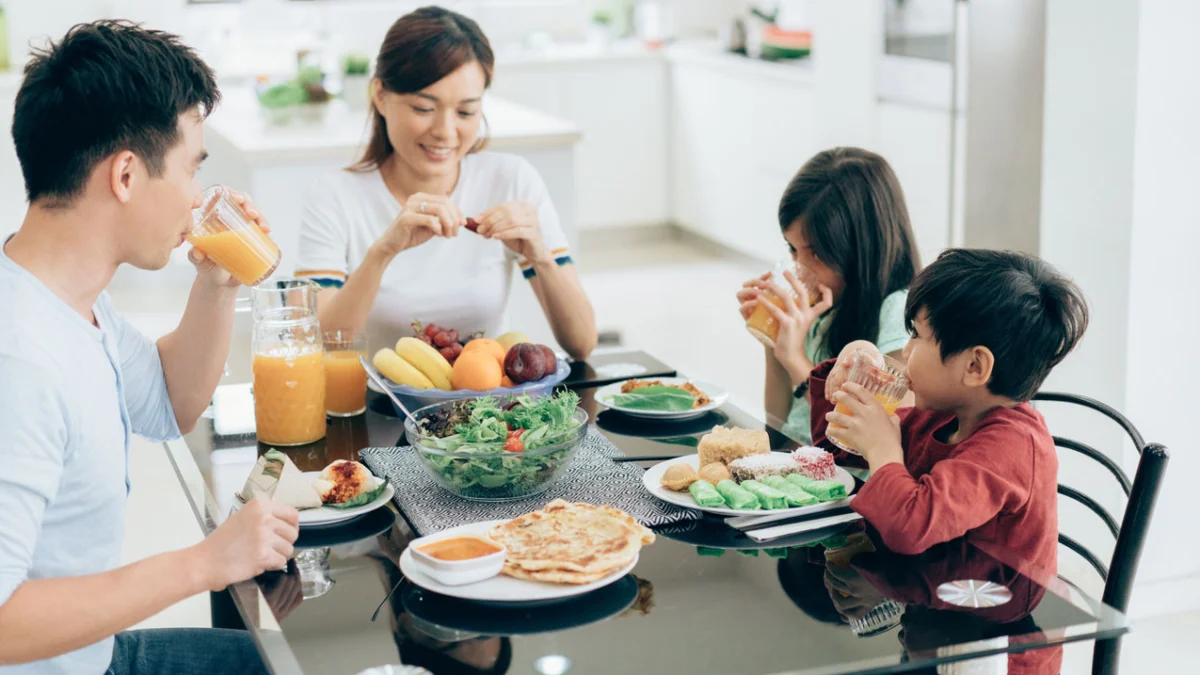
x,y
498,449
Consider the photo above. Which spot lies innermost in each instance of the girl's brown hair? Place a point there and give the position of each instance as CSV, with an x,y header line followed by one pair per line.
x,y
852,209
421,48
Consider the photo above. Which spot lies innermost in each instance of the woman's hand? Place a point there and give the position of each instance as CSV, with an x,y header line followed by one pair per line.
x,y
794,322
516,224
206,267
422,218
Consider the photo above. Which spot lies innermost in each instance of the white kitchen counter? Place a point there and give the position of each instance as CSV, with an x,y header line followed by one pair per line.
x,y
338,132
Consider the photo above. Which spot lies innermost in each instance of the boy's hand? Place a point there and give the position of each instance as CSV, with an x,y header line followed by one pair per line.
x,y
841,370
853,596
868,429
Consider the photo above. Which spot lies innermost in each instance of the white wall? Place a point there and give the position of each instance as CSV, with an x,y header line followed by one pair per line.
x,y
1122,94
1164,278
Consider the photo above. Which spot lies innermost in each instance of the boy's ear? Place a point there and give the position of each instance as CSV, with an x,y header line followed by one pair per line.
x,y
980,362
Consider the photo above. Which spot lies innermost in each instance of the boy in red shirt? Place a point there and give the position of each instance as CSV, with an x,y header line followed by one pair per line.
x,y
972,457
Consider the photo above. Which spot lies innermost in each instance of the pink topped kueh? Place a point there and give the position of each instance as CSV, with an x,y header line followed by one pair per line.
x,y
814,463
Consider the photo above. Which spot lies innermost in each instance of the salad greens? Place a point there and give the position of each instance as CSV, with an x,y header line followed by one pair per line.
x,y
487,463
656,397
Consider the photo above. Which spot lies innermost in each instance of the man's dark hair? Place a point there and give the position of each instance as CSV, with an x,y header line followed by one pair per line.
x,y
1016,305
106,87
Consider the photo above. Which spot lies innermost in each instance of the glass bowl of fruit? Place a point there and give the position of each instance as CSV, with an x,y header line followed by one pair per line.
x,y
433,366
498,449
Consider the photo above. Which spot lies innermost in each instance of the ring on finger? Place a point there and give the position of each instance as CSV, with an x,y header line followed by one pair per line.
x,y
422,207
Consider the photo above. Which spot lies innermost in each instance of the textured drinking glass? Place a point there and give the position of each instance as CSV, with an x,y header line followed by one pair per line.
x,y
884,379
761,324
223,232
345,378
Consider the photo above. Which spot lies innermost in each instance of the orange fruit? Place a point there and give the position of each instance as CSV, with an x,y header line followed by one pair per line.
x,y
488,346
476,370
506,382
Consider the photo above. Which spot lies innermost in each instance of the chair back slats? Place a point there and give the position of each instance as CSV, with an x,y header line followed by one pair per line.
x,y
1091,504
1135,526
1085,554
1100,457
1059,397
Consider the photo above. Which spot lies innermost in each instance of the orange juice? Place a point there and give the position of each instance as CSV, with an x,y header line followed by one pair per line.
x,y
761,324
289,396
248,254
889,405
345,383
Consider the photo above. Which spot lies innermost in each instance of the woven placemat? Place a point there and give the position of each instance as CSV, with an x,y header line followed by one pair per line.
x,y
592,477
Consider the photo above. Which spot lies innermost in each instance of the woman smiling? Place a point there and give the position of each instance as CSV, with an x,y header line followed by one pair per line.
x,y
389,238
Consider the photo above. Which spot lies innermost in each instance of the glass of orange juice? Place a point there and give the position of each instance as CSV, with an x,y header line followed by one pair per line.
x,y
881,375
761,324
223,232
345,379
288,363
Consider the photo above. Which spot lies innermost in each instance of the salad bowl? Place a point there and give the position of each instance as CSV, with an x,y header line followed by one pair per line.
x,y
476,458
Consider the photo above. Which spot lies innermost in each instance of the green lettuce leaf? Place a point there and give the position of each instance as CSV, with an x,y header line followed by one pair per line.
x,y
656,398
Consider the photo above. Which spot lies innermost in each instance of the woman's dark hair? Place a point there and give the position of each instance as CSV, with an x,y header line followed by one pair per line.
x,y
851,207
421,48
106,87
1028,314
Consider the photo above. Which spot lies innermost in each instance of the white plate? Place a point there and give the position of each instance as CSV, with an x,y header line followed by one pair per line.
x,y
500,589
717,396
327,515
652,479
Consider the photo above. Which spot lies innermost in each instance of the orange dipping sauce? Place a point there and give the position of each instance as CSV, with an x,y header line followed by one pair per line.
x,y
459,548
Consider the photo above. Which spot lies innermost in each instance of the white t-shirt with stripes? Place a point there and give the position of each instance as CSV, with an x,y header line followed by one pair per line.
x,y
461,283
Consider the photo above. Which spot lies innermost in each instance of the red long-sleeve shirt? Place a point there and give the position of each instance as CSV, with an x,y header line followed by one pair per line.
x,y
997,487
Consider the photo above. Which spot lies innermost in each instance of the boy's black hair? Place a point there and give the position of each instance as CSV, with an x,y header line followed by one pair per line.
x,y
105,87
1028,314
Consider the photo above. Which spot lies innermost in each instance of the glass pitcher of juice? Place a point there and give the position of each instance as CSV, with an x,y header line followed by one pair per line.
x,y
761,324
223,232
885,380
288,363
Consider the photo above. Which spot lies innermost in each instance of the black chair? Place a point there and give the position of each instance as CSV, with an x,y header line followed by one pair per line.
x,y
1131,532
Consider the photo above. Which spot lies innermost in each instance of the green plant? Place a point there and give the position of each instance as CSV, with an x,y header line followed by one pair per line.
x,y
356,64
602,17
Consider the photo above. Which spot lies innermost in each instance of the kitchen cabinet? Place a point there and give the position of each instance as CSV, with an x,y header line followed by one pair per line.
x,y
620,106
738,135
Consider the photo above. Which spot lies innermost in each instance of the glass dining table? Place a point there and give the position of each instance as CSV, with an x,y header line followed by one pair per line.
x,y
704,598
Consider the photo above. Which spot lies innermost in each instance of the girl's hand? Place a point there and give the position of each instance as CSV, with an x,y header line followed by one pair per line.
x,y
841,370
422,218
868,428
794,323
516,224
748,295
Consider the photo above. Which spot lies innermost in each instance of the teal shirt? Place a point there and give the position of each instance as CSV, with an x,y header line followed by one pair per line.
x,y
892,337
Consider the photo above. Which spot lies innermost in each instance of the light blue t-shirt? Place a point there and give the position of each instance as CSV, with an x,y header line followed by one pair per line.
x,y
70,396
893,335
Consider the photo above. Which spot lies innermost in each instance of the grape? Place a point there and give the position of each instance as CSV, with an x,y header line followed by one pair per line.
x,y
442,339
432,330
457,347
425,338
448,353
452,336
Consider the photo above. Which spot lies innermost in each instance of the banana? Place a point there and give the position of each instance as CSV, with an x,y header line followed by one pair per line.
x,y
427,360
399,371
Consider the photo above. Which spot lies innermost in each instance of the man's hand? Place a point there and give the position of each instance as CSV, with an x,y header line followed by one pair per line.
x,y
257,538
868,428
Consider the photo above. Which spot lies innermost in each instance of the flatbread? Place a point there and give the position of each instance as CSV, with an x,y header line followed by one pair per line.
x,y
570,543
